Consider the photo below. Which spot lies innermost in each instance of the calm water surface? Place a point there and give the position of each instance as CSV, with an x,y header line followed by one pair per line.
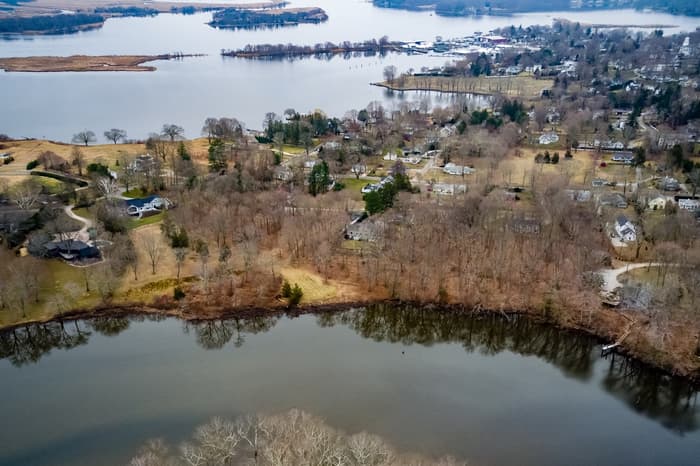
x,y
483,389
57,105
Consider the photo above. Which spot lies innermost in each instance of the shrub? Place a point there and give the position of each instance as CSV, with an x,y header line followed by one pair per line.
x,y
286,289
99,169
32,165
8,160
295,296
178,293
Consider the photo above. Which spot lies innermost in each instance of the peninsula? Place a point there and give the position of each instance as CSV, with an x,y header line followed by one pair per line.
x,y
83,63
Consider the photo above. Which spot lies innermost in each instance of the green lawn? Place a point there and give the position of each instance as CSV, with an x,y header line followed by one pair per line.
x,y
136,193
139,222
298,150
353,184
85,213
52,185
53,297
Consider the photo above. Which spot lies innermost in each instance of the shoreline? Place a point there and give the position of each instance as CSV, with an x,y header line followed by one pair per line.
x,y
199,313
424,89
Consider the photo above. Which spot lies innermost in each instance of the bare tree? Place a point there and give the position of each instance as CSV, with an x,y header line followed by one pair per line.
x,y
172,131
78,159
389,73
84,137
153,245
180,256
26,194
108,187
115,135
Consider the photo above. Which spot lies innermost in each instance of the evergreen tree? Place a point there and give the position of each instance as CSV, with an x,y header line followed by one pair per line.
x,y
183,152
319,179
217,157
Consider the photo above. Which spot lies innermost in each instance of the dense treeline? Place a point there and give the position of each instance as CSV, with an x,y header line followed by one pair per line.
x,y
296,128
127,11
484,7
237,18
325,48
54,24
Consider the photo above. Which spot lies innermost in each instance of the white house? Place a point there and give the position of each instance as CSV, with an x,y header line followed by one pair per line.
x,y
309,164
448,189
689,204
625,229
549,138
452,169
657,203
147,204
623,157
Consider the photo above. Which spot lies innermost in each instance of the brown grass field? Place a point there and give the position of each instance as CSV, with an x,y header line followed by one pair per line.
x,y
525,87
79,63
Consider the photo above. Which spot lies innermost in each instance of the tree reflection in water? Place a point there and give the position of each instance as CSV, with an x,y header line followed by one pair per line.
x,y
669,400
215,334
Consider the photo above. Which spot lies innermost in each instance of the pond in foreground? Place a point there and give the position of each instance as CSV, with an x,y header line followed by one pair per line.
x,y
483,389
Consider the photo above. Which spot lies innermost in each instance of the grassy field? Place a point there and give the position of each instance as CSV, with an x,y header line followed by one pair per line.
x,y
136,193
26,151
526,87
55,278
314,287
140,222
354,187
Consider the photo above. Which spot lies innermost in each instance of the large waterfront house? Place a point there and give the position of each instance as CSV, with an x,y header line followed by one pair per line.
x,y
146,205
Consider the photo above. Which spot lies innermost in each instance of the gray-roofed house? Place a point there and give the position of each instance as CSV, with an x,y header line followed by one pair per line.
x,y
613,200
623,157
625,229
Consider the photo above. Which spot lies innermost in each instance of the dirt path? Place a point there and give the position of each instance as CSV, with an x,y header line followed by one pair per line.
x,y
87,223
610,276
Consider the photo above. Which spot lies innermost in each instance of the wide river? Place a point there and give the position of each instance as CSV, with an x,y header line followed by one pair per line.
x,y
487,390
57,105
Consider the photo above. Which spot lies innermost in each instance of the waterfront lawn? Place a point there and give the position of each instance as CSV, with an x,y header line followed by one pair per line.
x,y
135,193
315,288
61,287
139,222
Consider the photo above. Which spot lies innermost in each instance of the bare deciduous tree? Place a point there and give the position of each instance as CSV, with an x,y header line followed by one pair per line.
x,y
26,194
84,137
78,159
153,245
108,187
115,135
172,131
